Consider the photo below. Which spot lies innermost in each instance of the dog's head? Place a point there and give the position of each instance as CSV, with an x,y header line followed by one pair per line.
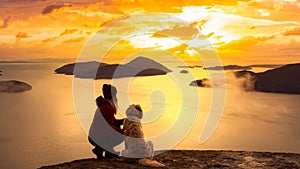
x,y
134,111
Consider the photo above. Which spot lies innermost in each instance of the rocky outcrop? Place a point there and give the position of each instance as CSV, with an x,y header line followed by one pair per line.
x,y
13,86
194,159
201,83
140,66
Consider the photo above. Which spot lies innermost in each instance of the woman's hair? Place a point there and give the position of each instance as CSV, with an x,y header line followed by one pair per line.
x,y
113,103
109,91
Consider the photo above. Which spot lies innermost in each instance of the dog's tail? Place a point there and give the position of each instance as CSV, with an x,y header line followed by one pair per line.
x,y
150,163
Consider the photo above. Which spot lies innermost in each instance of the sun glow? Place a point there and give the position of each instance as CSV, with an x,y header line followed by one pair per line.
x,y
146,41
243,29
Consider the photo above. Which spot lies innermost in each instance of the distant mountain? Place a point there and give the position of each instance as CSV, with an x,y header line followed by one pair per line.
x,y
142,63
266,66
86,66
235,67
285,79
191,67
140,66
228,67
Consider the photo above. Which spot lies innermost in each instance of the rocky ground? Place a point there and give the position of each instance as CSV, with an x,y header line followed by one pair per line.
x,y
193,159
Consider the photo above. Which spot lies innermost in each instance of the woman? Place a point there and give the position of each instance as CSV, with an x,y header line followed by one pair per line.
x,y
104,119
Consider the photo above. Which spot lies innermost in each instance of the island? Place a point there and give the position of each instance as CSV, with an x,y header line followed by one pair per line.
x,y
139,66
266,65
14,86
194,159
184,71
201,83
228,67
190,67
285,79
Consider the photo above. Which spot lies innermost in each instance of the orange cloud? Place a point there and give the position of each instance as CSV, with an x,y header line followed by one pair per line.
x,y
244,43
201,23
74,40
49,39
210,34
22,35
183,32
105,7
158,35
295,31
4,22
57,8
179,49
167,6
68,31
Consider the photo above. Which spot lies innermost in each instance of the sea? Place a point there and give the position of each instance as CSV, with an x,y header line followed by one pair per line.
x,y
48,124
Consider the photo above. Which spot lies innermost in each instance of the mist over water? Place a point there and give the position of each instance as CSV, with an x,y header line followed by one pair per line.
x,y
40,127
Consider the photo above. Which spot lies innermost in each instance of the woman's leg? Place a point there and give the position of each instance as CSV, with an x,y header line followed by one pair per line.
x,y
111,142
98,151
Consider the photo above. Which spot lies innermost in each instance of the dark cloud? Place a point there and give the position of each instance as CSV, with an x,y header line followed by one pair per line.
x,y
5,22
49,9
22,1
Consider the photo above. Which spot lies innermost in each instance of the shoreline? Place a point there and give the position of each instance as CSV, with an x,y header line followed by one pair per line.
x,y
196,159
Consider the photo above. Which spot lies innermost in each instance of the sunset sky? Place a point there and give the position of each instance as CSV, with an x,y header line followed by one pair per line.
x,y
247,31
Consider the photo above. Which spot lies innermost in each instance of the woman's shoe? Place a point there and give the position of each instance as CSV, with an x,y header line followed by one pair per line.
x,y
98,152
111,155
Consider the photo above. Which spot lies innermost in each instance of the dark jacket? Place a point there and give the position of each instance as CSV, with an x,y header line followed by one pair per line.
x,y
104,117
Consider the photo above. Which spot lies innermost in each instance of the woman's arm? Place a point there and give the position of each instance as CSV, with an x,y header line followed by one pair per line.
x,y
108,114
119,122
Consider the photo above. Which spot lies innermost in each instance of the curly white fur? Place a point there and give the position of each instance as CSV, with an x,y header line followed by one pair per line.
x,y
135,144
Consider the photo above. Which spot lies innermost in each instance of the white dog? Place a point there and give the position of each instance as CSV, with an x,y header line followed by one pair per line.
x,y
135,144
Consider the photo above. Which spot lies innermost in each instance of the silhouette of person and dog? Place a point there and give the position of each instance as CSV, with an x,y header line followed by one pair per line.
x,y
106,132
